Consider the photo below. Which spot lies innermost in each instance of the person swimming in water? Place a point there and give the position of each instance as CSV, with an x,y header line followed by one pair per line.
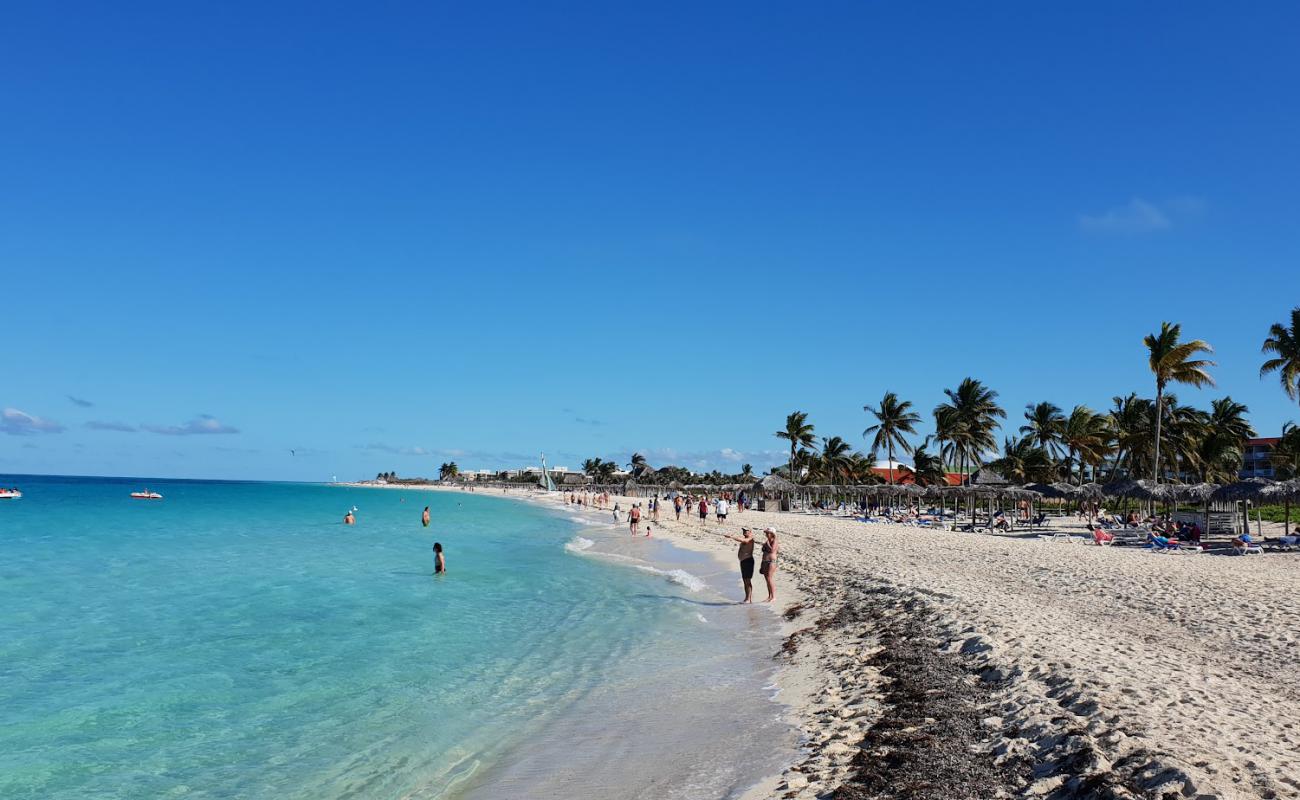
x,y
348,519
425,517
439,561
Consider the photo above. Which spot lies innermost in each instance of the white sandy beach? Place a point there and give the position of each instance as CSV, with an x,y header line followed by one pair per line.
x,y
1108,670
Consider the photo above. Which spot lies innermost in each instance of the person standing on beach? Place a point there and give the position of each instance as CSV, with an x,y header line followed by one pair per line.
x,y
768,568
677,507
655,509
704,509
721,508
424,518
634,518
745,553
439,561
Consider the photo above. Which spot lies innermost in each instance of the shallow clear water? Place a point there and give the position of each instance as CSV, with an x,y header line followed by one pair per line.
x,y
237,640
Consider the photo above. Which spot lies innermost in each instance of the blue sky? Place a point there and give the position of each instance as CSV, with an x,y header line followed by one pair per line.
x,y
390,235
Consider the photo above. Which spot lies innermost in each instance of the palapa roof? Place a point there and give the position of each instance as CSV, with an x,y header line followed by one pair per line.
x,y
1057,489
986,476
1284,490
774,484
1091,491
1248,489
1140,489
1200,492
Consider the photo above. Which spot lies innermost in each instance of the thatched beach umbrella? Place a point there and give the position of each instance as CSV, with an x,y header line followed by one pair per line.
x,y
987,476
1245,492
1246,489
774,485
1287,492
1199,492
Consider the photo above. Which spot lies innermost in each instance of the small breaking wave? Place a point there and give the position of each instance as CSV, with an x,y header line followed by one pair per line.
x,y
577,544
678,576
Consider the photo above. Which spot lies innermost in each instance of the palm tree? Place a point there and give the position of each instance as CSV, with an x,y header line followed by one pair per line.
x,y
1022,460
799,433
834,460
1286,461
1174,361
971,416
638,467
1087,434
1284,343
945,429
894,418
1044,423
861,469
592,467
928,469
1223,440
746,472
1132,423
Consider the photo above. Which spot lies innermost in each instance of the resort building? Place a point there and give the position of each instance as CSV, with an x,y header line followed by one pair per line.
x,y
1257,458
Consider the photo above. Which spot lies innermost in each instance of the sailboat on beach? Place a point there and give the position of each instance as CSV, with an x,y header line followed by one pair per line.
x,y
548,483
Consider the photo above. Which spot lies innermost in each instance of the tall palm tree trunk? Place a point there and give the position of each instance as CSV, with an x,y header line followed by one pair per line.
x,y
889,451
1160,413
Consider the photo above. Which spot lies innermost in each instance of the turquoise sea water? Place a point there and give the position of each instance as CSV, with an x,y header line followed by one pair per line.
x,y
237,640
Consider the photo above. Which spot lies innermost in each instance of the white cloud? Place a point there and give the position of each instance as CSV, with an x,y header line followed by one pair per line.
x,y
100,425
20,423
1136,216
203,424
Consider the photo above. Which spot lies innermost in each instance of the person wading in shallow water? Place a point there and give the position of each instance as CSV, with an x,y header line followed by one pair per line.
x,y
348,519
634,517
745,553
439,561
425,517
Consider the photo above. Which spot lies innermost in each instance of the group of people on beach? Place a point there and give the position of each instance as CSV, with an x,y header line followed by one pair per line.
x,y
767,566
647,513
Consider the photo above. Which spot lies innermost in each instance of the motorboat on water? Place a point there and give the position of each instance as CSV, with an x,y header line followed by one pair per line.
x,y
146,495
10,494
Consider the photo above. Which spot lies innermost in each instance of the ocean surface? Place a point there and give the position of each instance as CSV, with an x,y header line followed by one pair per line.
x,y
236,640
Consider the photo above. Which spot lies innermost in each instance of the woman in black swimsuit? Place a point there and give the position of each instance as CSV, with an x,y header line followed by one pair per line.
x,y
439,562
768,568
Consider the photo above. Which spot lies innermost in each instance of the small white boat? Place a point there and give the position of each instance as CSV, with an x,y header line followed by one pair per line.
x,y
146,495
10,494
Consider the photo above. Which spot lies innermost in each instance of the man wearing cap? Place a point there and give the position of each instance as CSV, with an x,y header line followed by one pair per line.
x,y
745,553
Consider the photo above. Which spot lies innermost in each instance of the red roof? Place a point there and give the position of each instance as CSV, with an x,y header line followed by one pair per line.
x,y
1268,440
904,476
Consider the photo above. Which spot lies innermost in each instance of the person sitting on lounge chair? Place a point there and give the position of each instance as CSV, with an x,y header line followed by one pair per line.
x,y
1000,522
1099,536
1132,521
1157,542
1241,544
